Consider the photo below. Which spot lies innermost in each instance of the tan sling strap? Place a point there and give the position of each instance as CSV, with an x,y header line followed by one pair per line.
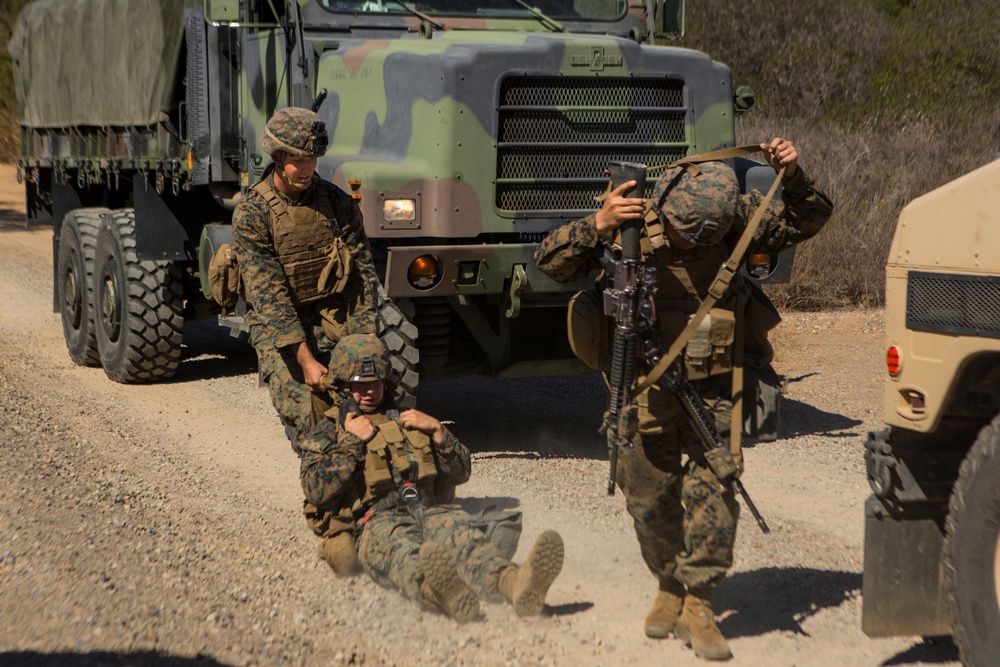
x,y
736,416
721,283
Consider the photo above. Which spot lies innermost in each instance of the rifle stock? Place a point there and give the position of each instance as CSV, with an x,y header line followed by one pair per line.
x,y
717,454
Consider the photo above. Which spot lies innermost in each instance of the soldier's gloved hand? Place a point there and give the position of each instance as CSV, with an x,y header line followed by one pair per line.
x,y
360,426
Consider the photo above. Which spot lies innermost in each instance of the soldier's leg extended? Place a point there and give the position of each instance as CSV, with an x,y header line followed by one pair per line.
x,y
489,574
710,532
650,477
393,551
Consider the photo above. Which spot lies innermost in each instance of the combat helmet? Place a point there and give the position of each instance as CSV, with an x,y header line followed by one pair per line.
x,y
701,206
296,131
359,358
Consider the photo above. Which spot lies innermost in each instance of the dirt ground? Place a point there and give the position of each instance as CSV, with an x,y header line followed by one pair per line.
x,y
160,524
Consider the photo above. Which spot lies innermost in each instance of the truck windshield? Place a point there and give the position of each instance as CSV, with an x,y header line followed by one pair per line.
x,y
570,10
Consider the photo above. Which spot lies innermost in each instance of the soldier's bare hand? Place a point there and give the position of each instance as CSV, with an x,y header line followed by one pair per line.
x,y
781,153
313,372
359,425
423,422
619,209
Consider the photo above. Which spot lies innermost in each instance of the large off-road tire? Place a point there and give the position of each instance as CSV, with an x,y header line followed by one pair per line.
x,y
75,283
972,551
138,306
399,336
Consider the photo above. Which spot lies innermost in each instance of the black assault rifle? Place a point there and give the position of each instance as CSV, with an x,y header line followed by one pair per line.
x,y
623,297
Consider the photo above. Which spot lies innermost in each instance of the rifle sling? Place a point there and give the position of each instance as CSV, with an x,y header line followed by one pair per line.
x,y
725,276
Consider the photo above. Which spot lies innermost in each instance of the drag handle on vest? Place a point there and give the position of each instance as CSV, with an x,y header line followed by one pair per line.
x,y
346,406
716,451
621,303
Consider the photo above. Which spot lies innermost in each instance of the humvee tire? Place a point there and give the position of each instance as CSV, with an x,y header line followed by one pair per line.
x,y
972,551
75,283
138,306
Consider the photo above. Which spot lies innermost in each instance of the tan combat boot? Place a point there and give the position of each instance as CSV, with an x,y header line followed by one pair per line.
x,y
442,586
525,586
696,626
666,610
341,554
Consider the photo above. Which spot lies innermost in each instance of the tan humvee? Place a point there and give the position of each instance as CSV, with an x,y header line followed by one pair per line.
x,y
932,528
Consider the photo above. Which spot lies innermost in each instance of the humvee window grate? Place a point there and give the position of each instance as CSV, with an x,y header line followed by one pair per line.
x,y
953,303
557,135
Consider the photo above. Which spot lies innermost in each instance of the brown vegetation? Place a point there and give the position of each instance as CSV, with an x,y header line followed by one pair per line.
x,y
886,100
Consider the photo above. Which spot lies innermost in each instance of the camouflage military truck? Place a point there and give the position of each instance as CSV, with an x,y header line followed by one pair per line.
x,y
467,130
932,527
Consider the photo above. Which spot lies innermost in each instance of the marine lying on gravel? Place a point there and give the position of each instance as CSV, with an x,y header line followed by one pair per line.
x,y
386,471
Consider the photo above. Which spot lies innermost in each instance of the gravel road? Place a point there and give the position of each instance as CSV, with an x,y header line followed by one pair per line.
x,y
160,525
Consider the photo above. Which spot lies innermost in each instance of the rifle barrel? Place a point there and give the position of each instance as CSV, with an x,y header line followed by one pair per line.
x,y
738,488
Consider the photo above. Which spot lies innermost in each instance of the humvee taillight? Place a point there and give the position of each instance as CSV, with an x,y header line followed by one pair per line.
x,y
892,361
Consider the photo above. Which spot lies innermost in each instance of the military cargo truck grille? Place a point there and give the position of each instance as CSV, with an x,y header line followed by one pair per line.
x,y
953,303
557,135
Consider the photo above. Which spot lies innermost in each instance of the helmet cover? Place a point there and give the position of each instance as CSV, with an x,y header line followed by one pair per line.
x,y
702,207
295,131
359,358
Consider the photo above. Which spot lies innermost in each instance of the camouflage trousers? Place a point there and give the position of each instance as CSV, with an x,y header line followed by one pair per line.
x,y
390,541
684,518
290,395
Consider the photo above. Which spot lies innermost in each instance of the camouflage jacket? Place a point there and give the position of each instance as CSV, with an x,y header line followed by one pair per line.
x,y
568,253
332,469
270,312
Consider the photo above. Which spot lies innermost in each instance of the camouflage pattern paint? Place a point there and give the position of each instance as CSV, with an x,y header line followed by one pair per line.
x,y
499,127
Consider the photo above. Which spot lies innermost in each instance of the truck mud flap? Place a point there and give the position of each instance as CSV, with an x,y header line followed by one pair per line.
x,y
903,584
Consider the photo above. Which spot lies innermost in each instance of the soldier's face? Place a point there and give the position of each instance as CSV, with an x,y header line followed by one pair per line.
x,y
298,171
368,394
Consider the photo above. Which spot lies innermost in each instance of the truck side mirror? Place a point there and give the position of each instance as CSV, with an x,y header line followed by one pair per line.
x,y
670,18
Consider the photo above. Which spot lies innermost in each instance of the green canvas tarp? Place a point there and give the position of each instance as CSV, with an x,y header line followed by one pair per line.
x,y
96,62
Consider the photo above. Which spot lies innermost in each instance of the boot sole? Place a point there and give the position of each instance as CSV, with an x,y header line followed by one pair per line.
x,y
544,564
658,631
685,636
441,575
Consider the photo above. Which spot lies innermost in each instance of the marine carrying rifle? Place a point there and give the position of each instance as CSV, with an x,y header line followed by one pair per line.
x,y
629,300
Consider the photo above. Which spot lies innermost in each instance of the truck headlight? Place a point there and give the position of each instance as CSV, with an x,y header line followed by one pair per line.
x,y
394,210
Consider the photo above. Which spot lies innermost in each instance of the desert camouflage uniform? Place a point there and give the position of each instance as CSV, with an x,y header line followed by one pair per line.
x,y
276,325
333,478
684,518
